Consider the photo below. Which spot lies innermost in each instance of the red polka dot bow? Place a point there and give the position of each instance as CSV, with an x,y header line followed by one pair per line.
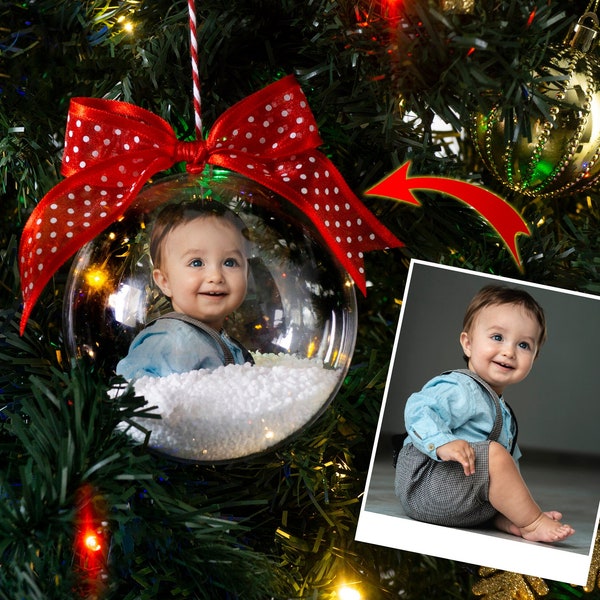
x,y
113,148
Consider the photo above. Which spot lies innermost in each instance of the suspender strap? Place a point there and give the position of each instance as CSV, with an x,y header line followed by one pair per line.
x,y
514,418
498,421
229,360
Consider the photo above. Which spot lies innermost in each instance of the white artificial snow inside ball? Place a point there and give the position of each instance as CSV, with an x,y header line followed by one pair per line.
x,y
236,410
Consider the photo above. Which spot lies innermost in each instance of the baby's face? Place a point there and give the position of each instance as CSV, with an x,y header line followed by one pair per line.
x,y
204,269
502,344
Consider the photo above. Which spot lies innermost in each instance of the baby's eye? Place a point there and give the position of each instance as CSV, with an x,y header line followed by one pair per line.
x,y
524,345
196,262
497,337
231,262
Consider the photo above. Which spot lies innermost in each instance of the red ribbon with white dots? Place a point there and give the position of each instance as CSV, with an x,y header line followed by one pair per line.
x,y
113,148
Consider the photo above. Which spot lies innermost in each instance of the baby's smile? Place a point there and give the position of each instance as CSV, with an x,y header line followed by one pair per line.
x,y
503,365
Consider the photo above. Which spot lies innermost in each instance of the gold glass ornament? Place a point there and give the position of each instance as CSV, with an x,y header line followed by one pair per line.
x,y
560,153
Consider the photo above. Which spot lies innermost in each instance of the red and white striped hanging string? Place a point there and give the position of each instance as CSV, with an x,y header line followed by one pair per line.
x,y
195,73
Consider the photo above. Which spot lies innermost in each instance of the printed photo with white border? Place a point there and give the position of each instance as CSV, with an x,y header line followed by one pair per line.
x,y
555,405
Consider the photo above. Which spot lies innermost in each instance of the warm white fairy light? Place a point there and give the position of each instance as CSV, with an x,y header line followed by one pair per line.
x,y
347,592
125,24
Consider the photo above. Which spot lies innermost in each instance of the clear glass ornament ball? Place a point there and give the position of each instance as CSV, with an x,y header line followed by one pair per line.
x,y
298,320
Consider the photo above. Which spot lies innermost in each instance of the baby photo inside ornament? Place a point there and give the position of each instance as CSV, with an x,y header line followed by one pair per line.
x,y
217,300
486,450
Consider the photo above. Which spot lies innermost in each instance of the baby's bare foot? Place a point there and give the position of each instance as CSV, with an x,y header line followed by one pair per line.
x,y
547,528
504,524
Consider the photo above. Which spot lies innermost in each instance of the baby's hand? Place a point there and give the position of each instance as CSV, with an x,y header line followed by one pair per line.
x,y
459,451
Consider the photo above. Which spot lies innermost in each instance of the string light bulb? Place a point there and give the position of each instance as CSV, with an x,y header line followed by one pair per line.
x,y
347,592
125,23
96,278
92,542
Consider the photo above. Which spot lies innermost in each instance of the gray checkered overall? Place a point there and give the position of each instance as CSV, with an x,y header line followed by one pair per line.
x,y
439,492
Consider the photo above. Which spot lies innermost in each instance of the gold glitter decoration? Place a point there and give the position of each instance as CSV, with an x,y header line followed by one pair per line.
x,y
594,576
504,585
459,6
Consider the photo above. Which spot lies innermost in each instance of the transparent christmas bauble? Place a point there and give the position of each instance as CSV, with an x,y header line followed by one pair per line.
x,y
555,154
298,320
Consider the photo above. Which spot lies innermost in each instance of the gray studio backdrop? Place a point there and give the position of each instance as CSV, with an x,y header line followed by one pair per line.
x,y
557,405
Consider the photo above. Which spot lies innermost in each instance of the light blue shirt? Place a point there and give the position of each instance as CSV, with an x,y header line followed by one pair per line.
x,y
454,407
170,346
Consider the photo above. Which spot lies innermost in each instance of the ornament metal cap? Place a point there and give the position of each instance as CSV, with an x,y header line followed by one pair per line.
x,y
581,36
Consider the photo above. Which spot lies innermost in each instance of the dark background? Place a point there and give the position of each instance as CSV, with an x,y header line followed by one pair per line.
x,y
556,405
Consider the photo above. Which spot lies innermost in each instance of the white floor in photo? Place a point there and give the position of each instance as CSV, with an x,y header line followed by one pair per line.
x,y
571,486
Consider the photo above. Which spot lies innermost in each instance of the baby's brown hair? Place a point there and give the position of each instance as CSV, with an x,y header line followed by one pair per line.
x,y
174,215
492,295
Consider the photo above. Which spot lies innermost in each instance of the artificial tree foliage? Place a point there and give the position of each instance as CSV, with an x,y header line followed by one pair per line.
x,y
389,82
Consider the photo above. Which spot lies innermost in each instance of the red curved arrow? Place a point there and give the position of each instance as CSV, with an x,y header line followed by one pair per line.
x,y
501,216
